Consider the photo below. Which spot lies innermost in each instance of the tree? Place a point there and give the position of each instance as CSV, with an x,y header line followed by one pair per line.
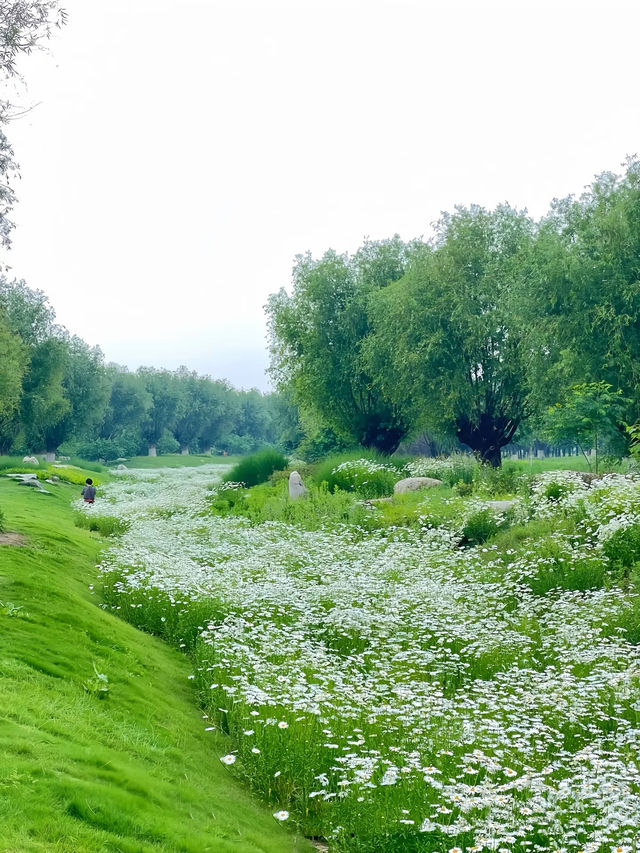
x,y
23,25
583,296
591,417
44,404
449,336
168,404
317,335
13,361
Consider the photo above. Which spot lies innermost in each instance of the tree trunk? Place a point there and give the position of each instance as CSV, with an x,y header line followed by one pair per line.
x,y
383,439
486,437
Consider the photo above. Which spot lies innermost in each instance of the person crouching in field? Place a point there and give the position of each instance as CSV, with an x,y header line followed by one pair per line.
x,y
89,491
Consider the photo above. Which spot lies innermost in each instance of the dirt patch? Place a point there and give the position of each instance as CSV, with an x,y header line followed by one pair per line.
x,y
13,539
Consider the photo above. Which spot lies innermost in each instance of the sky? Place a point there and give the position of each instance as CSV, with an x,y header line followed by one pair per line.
x,y
176,157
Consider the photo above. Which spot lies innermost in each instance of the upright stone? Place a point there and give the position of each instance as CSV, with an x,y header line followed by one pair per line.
x,y
152,450
296,486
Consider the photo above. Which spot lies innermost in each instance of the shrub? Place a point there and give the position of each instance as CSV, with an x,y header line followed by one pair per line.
x,y
554,491
167,444
451,469
506,480
257,468
623,546
2,527
105,525
367,478
463,489
479,526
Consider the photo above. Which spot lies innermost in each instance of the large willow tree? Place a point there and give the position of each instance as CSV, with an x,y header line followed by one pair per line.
x,y
449,335
317,337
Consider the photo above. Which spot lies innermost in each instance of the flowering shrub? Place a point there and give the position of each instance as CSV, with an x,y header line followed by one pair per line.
x,y
452,469
369,479
397,693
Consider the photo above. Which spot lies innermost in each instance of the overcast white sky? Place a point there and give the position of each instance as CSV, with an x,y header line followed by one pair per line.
x,y
182,153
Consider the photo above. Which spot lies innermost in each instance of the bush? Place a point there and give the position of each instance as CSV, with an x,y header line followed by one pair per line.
x,y
167,444
451,469
2,527
256,468
554,491
623,546
321,444
105,525
367,478
506,480
463,489
479,527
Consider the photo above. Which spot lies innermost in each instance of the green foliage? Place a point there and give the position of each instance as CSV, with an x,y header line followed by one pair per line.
x,y
554,491
317,335
97,685
622,547
450,335
591,416
2,522
478,527
271,502
463,488
257,468
105,525
370,479
494,482
14,611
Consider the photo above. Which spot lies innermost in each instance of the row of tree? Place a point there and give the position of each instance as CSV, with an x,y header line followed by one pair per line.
x,y
56,391
475,333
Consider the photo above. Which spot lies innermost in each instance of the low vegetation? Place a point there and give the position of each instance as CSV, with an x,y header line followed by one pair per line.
x,y
430,671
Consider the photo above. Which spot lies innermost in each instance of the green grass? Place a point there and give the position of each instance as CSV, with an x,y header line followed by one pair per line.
x,y
135,772
176,460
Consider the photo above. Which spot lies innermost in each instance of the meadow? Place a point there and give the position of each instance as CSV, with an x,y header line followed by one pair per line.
x,y
432,672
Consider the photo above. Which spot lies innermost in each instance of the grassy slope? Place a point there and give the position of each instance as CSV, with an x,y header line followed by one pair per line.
x,y
133,773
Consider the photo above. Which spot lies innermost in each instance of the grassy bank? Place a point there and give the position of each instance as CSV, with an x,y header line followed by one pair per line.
x,y
134,772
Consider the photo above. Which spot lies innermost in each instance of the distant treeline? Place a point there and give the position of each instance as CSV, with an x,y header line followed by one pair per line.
x,y
479,334
56,393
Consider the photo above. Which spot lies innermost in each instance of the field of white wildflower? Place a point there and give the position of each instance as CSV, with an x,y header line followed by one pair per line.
x,y
395,691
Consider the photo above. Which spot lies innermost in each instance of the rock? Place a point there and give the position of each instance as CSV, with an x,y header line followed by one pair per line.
x,y
31,460
50,456
22,477
588,477
64,458
374,501
30,482
122,468
296,486
501,506
412,484
55,478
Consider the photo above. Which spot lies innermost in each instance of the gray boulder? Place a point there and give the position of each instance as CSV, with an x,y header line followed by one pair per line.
x,y
501,506
296,486
31,460
412,484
